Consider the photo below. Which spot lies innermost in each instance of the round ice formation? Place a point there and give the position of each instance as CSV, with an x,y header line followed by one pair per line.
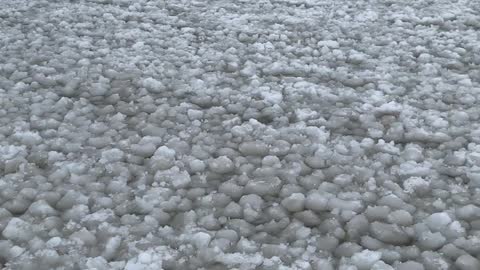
x,y
293,134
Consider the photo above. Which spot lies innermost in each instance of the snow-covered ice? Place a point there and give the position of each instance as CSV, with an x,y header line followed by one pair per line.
x,y
271,134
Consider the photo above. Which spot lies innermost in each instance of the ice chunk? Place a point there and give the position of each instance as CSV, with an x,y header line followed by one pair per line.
x,y
17,205
393,201
328,43
343,180
432,241
153,85
433,260
99,89
221,165
365,259
252,200
163,158
42,209
271,161
201,239
231,259
177,178
316,201
111,247
410,265
305,114
257,148
10,151
388,233
380,265
97,263
413,152
197,165
18,230
336,203
357,226
294,203
415,183
347,249
467,262
412,168
323,264
272,97
28,137
111,155
438,221
16,251
144,150
84,237
347,267
232,210
400,217
264,186
70,199
309,218
468,212
194,114
391,108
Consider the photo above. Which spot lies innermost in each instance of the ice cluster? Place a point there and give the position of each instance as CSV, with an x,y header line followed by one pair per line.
x,y
269,135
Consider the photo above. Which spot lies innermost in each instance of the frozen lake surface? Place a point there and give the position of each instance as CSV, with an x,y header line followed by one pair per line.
x,y
215,134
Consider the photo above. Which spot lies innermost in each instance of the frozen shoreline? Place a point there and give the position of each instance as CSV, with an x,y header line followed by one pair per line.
x,y
249,135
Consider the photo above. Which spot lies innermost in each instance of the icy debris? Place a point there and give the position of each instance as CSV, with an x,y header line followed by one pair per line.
x,y
410,265
432,241
468,212
400,217
173,176
42,209
316,201
294,203
8,152
239,140
18,230
111,247
388,233
232,259
112,155
336,203
365,259
438,221
328,43
194,114
97,263
201,240
150,259
412,168
413,152
153,85
197,165
413,184
253,148
391,108
144,150
84,237
221,165
467,262
272,97
357,226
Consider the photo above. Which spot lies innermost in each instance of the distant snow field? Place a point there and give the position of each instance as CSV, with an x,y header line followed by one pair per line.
x,y
266,134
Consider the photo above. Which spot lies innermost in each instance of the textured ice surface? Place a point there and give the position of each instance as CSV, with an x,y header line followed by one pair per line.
x,y
271,134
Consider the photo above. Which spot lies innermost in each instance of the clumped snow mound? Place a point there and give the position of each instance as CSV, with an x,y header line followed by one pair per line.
x,y
289,134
